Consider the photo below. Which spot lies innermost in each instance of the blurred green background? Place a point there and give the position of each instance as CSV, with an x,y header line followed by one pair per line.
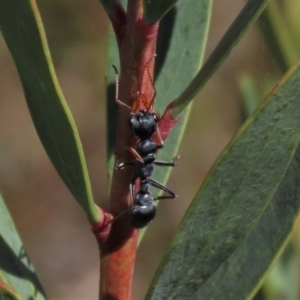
x,y
53,227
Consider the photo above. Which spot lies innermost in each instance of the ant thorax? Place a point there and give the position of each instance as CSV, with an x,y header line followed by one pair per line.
x,y
143,124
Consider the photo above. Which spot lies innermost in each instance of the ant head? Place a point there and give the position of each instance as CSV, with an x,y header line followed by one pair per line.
x,y
143,124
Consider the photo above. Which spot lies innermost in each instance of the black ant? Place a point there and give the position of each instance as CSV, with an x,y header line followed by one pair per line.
x,y
143,125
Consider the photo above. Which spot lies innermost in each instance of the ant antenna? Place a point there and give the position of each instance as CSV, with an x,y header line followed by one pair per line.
x,y
117,90
151,80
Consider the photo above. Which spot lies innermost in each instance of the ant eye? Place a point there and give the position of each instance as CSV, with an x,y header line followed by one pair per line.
x,y
156,117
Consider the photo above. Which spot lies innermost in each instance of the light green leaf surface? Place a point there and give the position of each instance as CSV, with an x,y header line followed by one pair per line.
x,y
16,270
282,281
236,31
250,95
23,32
245,210
154,10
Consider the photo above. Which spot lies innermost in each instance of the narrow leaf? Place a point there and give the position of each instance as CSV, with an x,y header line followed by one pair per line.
x,y
239,27
278,36
154,10
245,210
16,271
250,95
23,32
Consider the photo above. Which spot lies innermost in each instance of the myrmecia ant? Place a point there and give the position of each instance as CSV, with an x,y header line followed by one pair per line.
x,y
143,126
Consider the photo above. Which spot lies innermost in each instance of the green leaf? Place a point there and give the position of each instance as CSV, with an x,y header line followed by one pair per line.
x,y
108,5
250,95
23,32
236,31
278,36
245,210
16,271
281,283
154,10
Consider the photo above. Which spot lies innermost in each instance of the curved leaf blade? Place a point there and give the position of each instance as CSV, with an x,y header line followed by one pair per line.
x,y
16,270
238,28
23,32
250,199
278,36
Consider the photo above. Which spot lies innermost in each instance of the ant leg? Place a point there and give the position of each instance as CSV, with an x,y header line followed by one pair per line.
x,y
167,164
117,90
164,163
120,215
152,83
150,106
121,166
164,197
136,155
131,190
144,99
162,187
161,145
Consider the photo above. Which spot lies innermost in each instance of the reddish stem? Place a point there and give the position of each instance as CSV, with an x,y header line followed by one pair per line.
x,y
118,21
137,43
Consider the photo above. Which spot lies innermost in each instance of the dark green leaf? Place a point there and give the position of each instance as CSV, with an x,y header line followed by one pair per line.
x,y
108,5
154,10
23,32
16,270
245,210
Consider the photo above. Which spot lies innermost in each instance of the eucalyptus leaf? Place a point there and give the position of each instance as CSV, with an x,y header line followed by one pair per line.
x,y
23,32
236,31
242,216
278,36
16,270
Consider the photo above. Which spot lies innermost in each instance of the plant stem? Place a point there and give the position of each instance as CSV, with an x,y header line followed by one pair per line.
x,y
118,251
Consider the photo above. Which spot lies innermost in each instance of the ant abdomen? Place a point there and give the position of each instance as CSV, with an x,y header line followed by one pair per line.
x,y
143,211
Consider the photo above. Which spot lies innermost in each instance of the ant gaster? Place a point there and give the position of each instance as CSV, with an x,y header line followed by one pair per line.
x,y
143,125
